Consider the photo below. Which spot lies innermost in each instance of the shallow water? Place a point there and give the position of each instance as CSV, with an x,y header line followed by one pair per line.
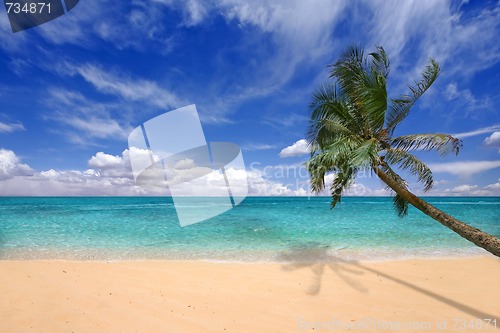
x,y
259,229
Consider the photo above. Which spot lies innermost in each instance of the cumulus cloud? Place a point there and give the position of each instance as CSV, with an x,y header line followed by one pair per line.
x,y
11,166
106,161
493,140
260,185
473,190
112,175
494,187
299,148
70,183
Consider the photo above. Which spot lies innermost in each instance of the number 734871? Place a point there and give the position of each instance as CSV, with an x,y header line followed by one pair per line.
x,y
32,8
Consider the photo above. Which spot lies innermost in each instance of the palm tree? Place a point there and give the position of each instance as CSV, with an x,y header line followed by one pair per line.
x,y
351,129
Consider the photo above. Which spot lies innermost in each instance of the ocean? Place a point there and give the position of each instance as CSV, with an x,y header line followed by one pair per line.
x,y
259,229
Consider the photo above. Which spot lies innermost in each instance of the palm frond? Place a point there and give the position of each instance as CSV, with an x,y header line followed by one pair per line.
x,y
317,167
407,161
366,154
364,81
322,163
400,107
334,157
400,205
391,173
380,63
343,179
350,71
373,92
443,143
328,108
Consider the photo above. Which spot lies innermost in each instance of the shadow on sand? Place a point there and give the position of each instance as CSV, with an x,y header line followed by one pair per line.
x,y
317,258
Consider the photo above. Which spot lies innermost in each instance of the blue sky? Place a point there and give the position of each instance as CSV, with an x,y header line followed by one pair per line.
x,y
71,90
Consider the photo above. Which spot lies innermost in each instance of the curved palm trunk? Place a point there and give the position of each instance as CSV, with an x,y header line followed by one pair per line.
x,y
480,238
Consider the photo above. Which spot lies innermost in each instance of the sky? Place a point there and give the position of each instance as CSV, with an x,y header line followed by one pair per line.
x,y
72,89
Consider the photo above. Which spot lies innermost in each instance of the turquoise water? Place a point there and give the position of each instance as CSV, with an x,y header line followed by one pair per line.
x,y
261,228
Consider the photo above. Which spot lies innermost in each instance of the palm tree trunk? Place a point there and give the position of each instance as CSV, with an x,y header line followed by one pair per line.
x,y
480,238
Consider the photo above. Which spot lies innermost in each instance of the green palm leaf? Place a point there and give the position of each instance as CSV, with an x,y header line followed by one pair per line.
x,y
366,154
443,143
400,107
343,179
407,161
400,203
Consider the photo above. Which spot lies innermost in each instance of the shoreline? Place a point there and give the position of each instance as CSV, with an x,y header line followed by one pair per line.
x,y
250,262
252,256
201,296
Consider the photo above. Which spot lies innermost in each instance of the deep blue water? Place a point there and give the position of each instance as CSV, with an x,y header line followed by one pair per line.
x,y
260,228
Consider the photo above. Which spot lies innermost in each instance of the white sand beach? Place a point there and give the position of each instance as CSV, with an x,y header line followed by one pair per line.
x,y
425,295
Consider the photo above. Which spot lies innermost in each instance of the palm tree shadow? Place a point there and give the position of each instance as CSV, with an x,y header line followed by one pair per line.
x,y
317,258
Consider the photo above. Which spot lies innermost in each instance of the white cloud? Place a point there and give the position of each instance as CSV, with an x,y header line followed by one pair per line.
x,y
299,148
10,42
493,140
494,187
112,175
11,166
95,127
143,23
88,120
257,146
71,183
128,88
260,185
113,165
464,188
393,23
291,119
19,66
11,127
463,43
301,30
105,161
478,131
465,169
451,91
473,190
76,26
195,12
466,98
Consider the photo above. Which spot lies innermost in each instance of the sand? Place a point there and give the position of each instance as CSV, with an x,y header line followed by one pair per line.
x,y
425,295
